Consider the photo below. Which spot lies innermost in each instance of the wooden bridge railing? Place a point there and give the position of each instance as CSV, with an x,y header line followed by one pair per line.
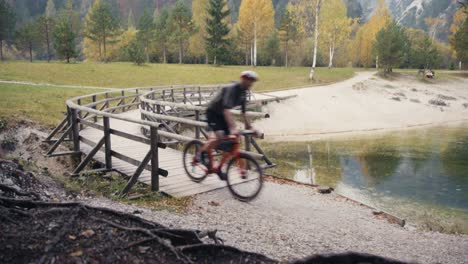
x,y
186,117
164,110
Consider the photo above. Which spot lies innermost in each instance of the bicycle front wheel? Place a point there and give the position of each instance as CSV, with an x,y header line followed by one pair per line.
x,y
194,169
244,177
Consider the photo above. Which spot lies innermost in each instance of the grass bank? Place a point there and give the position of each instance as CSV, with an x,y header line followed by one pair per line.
x,y
123,75
42,104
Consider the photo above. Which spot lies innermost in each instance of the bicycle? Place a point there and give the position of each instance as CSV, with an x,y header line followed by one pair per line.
x,y
243,174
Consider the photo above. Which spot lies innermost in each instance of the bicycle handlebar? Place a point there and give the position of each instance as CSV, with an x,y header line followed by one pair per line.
x,y
251,133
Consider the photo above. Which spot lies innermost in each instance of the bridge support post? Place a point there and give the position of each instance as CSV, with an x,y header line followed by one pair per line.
x,y
94,107
107,142
154,160
75,130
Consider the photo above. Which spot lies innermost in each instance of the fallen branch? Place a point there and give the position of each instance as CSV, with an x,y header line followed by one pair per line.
x,y
7,188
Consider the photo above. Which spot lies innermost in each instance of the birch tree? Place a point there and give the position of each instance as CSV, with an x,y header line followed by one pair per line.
x,y
256,21
318,6
335,26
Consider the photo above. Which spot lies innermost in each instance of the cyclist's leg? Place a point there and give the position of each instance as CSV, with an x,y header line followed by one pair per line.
x,y
218,125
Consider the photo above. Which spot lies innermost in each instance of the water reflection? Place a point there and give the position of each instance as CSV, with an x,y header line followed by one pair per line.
x,y
394,172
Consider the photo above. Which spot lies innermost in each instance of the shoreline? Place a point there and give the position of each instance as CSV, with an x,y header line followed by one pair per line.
x,y
358,133
363,105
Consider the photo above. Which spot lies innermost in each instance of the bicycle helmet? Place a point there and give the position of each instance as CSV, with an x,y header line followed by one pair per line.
x,y
249,75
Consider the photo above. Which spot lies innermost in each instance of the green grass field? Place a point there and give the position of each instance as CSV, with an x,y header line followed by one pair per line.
x,y
38,103
124,75
45,104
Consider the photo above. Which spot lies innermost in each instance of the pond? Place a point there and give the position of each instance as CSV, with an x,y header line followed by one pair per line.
x,y
420,175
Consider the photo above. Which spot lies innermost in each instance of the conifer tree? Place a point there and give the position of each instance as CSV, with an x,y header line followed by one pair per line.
x,y
101,25
146,32
217,31
7,24
65,37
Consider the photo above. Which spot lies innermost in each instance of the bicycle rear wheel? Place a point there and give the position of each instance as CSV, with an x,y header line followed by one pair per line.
x,y
195,170
244,177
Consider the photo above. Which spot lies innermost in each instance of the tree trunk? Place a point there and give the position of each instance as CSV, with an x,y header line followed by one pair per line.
x,y
30,52
207,59
1,49
146,51
180,50
246,55
330,59
47,40
255,45
316,34
214,61
100,53
251,55
105,50
460,65
286,53
164,54
377,62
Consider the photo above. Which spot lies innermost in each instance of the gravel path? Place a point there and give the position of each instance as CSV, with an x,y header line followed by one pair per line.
x,y
288,222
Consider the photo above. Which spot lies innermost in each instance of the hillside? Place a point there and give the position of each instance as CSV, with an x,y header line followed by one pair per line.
x,y
408,12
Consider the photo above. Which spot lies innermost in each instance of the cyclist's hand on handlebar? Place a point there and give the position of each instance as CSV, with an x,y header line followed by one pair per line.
x,y
235,132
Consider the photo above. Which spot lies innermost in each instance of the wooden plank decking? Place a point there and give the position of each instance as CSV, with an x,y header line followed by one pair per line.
x,y
176,184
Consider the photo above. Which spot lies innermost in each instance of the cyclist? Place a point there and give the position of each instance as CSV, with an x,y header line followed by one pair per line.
x,y
220,119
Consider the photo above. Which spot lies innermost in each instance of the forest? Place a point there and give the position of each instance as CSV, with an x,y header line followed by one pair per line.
x,y
327,33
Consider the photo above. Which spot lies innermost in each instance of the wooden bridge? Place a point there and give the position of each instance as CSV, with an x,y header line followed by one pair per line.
x,y
139,132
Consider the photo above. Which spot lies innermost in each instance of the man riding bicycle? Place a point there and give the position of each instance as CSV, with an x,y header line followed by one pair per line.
x,y
220,118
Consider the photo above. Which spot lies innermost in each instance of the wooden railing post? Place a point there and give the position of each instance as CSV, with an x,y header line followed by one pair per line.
x,y
75,130
80,116
185,95
197,128
199,95
107,142
154,159
94,107
123,101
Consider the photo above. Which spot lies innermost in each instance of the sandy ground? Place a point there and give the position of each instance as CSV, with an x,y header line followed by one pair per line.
x,y
288,222
365,103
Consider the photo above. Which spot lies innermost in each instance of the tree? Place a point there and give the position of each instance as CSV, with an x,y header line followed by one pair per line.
x,y
288,31
459,42
7,24
256,20
365,36
217,30
181,25
390,46
131,20
64,37
272,48
197,45
318,5
135,52
162,31
100,25
146,31
424,54
46,24
336,26
27,38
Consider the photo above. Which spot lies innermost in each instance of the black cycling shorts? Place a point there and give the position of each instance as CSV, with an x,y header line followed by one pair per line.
x,y
217,122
